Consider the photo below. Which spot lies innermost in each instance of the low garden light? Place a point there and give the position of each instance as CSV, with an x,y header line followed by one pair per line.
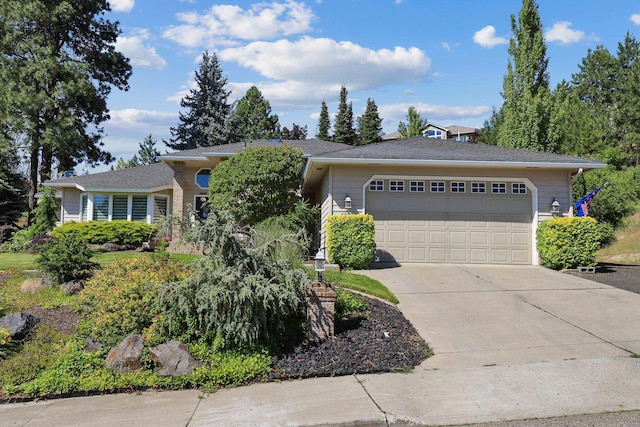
x,y
555,207
319,264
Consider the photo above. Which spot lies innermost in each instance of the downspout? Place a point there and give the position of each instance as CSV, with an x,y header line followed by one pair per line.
x,y
572,180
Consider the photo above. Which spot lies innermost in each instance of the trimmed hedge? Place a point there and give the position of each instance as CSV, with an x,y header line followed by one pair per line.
x,y
351,240
127,233
568,242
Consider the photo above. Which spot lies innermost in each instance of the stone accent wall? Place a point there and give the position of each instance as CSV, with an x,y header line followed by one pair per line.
x,y
321,303
178,195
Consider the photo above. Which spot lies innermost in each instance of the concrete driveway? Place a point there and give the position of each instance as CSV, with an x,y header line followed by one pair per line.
x,y
474,316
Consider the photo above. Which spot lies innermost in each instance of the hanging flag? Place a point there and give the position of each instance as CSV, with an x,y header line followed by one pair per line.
x,y
582,205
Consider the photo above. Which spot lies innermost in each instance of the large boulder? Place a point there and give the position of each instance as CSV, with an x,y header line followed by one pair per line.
x,y
72,287
19,325
31,286
125,357
174,359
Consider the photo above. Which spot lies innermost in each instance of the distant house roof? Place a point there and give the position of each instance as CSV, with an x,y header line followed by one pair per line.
x,y
460,130
392,135
153,177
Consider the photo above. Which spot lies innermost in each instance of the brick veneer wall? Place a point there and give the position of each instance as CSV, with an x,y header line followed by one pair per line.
x,y
321,303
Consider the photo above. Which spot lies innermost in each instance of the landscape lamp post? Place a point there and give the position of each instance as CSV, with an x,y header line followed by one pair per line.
x,y
319,264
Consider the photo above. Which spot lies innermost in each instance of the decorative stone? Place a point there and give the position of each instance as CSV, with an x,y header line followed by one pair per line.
x,y
113,247
174,359
72,287
125,357
19,325
91,345
31,286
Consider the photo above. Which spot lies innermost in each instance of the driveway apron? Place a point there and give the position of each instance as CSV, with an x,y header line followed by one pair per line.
x,y
474,316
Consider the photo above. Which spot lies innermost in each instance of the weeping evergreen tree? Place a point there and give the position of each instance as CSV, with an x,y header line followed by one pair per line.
x,y
526,111
343,131
208,117
245,290
370,124
324,123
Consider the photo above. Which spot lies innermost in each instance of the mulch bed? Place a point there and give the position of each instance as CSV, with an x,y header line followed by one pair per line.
x,y
384,341
625,277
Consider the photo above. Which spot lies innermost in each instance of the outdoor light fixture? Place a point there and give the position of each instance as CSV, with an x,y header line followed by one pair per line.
x,y
319,264
347,202
555,207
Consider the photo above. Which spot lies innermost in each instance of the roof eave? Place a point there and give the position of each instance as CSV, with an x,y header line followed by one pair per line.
x,y
468,163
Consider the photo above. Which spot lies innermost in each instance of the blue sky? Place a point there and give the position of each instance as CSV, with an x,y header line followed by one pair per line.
x,y
446,58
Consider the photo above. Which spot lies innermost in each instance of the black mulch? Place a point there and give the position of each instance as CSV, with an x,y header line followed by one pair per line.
x,y
384,341
625,277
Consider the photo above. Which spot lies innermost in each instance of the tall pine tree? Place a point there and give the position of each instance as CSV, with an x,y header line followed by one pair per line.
x,y
526,111
254,117
207,119
58,64
370,124
324,123
344,132
414,126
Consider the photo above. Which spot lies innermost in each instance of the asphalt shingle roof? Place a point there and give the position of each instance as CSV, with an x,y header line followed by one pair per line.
x,y
309,147
141,177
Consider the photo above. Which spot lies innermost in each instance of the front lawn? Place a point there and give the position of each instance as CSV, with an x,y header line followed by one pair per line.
x,y
360,283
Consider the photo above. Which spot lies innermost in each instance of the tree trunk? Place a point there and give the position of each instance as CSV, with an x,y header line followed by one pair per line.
x,y
47,161
33,176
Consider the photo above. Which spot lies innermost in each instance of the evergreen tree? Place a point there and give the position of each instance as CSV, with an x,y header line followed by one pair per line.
x,y
344,132
324,123
527,106
13,187
414,126
296,133
58,64
254,117
370,124
147,155
206,121
489,133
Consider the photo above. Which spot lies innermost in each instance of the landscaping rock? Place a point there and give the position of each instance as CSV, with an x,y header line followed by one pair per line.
x,y
113,247
174,359
31,286
72,287
91,345
125,357
19,325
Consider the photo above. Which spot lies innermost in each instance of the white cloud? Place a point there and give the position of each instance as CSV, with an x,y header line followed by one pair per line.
x,y
224,24
325,62
122,5
486,37
446,46
561,32
635,18
141,55
131,118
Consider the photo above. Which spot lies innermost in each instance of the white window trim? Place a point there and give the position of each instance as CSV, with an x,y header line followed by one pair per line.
x,y
481,185
195,177
499,193
438,186
415,187
90,203
460,187
398,184
375,189
519,192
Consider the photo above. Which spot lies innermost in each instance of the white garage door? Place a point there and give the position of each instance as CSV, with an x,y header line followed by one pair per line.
x,y
451,221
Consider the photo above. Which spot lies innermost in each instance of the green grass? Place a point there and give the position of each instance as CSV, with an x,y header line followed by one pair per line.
x,y
626,248
18,261
360,283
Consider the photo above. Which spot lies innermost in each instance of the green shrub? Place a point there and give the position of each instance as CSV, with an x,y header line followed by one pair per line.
x,y
568,242
351,240
127,233
244,290
121,298
348,305
65,259
7,346
44,214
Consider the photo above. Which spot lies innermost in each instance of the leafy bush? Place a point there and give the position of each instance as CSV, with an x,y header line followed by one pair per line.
x,y
121,298
348,305
243,290
258,183
614,203
20,242
568,242
67,258
127,233
351,240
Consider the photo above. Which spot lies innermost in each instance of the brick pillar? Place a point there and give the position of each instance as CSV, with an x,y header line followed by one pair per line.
x,y
178,195
321,303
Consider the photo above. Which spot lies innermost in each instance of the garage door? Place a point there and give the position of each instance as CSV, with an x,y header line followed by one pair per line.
x,y
451,221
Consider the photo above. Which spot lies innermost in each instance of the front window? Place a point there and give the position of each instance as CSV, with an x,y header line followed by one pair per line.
x,y
478,187
202,207
120,207
416,186
101,207
498,188
458,187
139,208
396,185
518,188
376,185
437,187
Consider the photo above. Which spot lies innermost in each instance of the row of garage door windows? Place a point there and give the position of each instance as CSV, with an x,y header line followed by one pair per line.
x,y
454,187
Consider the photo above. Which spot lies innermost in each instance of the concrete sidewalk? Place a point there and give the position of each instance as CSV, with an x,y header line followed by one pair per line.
x,y
425,397
511,343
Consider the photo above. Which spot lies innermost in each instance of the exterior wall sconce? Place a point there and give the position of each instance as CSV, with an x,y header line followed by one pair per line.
x,y
319,264
555,207
347,202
